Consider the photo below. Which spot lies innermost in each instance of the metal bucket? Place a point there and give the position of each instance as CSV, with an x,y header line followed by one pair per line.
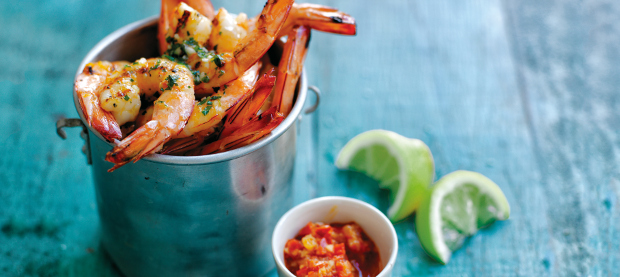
x,y
190,216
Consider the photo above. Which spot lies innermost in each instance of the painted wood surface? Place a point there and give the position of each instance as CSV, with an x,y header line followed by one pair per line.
x,y
523,91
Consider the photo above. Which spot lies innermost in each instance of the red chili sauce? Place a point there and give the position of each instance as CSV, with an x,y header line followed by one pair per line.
x,y
339,250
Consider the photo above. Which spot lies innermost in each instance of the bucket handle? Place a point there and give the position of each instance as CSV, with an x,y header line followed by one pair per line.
x,y
75,122
317,92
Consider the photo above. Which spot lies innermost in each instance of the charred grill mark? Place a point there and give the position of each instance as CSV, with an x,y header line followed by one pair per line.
x,y
216,89
182,21
337,19
90,70
197,65
261,22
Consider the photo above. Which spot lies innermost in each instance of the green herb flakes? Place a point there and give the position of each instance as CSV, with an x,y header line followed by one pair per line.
x,y
172,81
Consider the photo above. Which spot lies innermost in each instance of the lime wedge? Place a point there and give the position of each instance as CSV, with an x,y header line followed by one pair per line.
x,y
402,165
459,204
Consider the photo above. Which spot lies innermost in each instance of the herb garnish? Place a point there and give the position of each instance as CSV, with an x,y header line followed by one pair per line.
x,y
172,81
156,65
217,59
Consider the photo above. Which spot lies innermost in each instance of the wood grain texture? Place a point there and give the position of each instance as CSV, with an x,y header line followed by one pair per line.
x,y
523,91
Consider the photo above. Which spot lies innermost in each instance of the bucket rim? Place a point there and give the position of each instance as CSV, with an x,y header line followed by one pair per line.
x,y
190,160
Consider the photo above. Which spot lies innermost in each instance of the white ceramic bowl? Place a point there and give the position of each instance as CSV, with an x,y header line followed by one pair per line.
x,y
337,209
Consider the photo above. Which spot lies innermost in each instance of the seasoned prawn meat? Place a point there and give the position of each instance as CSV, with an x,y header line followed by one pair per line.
x,y
204,94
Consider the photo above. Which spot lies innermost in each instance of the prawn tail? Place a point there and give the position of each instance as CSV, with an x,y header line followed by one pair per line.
x,y
254,130
179,146
320,18
326,19
143,141
268,24
247,109
289,68
154,145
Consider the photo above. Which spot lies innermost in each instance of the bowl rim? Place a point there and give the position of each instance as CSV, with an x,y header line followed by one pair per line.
x,y
190,160
328,200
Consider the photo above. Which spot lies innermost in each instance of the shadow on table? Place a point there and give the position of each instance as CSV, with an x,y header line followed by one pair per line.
x,y
94,263
364,188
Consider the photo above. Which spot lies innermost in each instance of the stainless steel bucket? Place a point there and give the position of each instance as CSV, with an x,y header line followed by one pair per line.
x,y
190,216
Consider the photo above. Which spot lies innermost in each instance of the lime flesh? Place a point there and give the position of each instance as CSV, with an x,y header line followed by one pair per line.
x,y
402,165
459,204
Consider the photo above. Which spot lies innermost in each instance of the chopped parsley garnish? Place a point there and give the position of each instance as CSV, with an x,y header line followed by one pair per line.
x,y
172,81
166,56
206,110
163,103
221,73
215,97
196,74
204,100
217,59
131,79
126,97
156,65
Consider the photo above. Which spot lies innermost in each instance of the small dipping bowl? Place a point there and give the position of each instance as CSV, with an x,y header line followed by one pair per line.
x,y
336,209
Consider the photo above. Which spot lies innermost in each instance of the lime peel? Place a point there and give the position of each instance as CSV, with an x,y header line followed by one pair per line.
x,y
429,219
414,161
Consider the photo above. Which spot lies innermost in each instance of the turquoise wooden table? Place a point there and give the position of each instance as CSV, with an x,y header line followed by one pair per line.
x,y
525,92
